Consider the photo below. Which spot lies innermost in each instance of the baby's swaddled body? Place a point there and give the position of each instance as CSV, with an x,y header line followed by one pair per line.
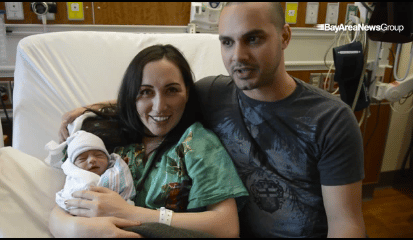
x,y
117,178
89,164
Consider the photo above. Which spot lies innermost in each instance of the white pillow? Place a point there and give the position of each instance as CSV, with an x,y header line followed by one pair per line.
x,y
27,194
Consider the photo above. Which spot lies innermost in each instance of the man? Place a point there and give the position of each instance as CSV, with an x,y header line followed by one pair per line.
x,y
297,149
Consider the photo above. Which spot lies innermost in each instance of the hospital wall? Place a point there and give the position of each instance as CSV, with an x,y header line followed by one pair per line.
x,y
387,132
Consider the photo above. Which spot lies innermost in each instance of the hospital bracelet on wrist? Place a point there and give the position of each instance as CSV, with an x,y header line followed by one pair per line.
x,y
165,216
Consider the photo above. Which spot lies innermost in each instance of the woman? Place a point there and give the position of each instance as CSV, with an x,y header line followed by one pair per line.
x,y
175,162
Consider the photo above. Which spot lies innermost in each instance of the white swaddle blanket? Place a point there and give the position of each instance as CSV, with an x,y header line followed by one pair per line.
x,y
117,178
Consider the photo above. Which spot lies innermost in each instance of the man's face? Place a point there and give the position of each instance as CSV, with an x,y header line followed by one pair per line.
x,y
251,45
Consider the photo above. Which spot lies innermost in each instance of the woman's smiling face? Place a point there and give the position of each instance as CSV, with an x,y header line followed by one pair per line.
x,y
162,97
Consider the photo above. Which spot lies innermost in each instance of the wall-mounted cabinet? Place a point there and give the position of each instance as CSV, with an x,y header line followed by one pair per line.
x,y
116,13
153,13
142,13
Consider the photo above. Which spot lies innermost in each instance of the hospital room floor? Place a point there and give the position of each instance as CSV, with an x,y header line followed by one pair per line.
x,y
390,213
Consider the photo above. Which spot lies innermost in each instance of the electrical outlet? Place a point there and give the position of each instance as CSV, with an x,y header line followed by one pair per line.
x,y
14,10
332,13
351,11
191,28
312,13
315,79
291,12
5,93
327,84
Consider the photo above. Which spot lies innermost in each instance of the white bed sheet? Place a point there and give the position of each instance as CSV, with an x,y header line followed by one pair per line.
x,y
55,73
27,191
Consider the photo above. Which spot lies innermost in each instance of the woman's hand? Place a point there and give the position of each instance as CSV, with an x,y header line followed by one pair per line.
x,y
99,202
66,119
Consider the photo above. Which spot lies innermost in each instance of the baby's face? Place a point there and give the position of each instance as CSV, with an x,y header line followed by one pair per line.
x,y
94,161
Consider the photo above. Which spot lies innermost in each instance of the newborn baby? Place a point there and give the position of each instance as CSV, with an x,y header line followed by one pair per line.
x,y
96,161
89,164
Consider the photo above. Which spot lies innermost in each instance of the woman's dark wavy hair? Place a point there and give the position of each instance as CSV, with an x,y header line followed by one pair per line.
x,y
106,126
129,89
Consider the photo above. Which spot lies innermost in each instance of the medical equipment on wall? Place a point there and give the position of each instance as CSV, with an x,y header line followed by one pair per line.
x,y
205,16
349,63
395,14
43,10
3,54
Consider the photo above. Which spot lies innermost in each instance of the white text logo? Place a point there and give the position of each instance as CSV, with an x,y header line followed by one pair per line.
x,y
360,27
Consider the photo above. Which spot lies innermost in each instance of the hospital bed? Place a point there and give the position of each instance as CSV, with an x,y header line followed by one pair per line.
x,y
55,73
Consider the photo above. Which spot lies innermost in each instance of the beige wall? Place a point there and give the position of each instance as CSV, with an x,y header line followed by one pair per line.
x,y
401,123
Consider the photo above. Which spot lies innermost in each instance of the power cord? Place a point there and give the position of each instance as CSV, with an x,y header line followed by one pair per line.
x,y
4,90
375,127
368,7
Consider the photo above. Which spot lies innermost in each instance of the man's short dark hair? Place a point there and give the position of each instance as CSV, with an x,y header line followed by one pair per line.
x,y
276,11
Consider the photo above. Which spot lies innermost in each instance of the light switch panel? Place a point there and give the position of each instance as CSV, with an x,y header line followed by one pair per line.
x,y
291,12
332,13
312,13
75,11
14,10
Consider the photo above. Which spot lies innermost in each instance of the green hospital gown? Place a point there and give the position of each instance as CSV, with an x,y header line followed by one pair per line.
x,y
195,173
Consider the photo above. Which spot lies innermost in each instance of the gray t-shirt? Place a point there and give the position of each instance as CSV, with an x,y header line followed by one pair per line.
x,y
284,151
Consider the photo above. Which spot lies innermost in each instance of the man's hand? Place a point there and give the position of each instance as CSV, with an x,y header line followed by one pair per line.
x,y
67,118
62,224
99,202
108,227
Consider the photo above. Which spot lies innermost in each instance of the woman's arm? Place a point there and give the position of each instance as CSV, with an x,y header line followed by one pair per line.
x,y
220,219
62,224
